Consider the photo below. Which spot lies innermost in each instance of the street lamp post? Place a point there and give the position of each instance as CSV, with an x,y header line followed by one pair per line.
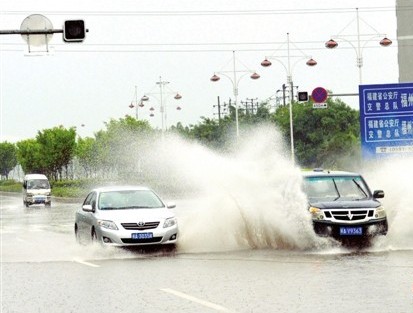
x,y
331,44
131,105
235,82
162,86
289,70
162,108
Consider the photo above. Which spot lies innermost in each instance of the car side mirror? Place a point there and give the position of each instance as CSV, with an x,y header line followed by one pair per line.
x,y
170,205
88,208
378,194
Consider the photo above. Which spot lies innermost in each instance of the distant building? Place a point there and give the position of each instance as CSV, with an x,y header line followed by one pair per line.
x,y
404,12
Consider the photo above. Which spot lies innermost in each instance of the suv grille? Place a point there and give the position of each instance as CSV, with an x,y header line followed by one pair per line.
x,y
135,226
349,215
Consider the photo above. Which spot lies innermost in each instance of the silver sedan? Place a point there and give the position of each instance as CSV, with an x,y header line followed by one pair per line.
x,y
126,216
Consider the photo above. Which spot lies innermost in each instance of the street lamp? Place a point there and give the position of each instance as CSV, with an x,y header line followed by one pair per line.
x,y
235,82
385,42
135,98
162,92
289,69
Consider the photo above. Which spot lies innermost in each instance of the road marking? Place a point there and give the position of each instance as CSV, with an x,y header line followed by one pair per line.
x,y
200,301
85,263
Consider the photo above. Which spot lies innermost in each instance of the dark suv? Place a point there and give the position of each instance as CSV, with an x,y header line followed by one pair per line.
x,y
342,205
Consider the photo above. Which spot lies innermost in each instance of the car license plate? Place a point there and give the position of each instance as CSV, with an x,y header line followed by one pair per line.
x,y
142,235
39,199
351,231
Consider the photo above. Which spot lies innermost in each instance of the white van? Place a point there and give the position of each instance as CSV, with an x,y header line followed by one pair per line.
x,y
36,190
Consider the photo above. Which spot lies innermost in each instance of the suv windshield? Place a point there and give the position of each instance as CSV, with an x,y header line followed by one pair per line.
x,y
129,199
335,188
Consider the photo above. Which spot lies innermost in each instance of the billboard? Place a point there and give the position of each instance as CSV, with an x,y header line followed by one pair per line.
x,y
386,120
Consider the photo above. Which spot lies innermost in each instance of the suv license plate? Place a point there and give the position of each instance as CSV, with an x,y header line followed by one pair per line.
x,y
351,231
142,235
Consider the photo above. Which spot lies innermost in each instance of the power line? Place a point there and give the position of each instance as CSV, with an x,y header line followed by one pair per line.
x,y
179,50
213,12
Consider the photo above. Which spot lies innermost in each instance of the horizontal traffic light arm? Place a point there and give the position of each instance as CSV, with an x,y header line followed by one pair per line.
x,y
33,32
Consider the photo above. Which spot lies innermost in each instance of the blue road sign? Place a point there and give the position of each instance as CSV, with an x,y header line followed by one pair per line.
x,y
386,120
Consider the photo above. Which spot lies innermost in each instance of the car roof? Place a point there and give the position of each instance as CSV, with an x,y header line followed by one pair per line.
x,y
35,176
326,173
120,188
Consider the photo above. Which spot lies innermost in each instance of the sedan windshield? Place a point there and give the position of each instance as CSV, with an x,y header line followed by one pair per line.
x,y
333,188
129,199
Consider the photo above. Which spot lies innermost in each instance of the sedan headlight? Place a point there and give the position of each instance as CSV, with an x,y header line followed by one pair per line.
x,y
107,224
169,222
380,212
316,213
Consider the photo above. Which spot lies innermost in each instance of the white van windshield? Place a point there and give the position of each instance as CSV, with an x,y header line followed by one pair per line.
x,y
38,184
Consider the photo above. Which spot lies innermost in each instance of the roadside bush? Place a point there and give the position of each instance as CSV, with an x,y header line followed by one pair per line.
x,y
10,185
70,188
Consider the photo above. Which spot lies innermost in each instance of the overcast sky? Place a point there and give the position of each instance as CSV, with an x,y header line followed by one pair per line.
x,y
133,43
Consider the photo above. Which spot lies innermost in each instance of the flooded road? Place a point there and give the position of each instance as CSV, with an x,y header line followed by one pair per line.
x,y
44,270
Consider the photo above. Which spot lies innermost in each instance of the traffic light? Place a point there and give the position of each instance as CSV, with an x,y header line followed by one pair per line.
x,y
74,31
302,96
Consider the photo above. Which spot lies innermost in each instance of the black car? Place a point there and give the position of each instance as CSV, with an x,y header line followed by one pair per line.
x,y
342,205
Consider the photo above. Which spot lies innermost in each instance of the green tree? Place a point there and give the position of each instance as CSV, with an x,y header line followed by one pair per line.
x,y
322,137
86,152
209,132
119,147
57,148
30,157
8,158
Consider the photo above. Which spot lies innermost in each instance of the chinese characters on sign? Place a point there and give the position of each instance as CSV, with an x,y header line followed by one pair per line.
x,y
389,128
386,119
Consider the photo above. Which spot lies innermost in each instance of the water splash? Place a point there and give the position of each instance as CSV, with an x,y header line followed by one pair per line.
x,y
248,199
395,177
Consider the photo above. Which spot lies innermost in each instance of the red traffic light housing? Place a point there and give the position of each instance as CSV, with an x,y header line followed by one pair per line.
x,y
74,31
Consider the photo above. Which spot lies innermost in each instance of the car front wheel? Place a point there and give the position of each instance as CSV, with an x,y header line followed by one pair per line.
x,y
94,236
77,235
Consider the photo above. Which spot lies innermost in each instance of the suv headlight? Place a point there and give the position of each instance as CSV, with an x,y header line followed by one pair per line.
x,y
169,222
107,224
316,213
380,212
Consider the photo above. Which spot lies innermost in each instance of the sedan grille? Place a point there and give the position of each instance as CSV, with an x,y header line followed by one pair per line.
x,y
146,240
349,215
140,226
